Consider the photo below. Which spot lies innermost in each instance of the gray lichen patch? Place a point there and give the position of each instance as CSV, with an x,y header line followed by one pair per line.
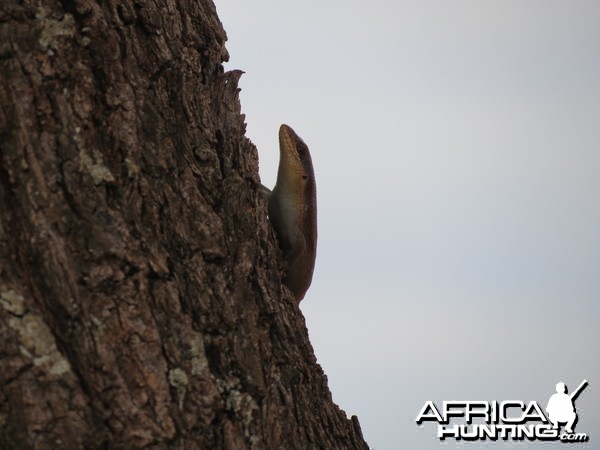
x,y
244,406
36,341
95,166
12,302
132,168
234,401
199,360
53,28
178,379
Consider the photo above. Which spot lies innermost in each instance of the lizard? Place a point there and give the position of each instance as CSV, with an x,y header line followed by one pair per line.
x,y
292,209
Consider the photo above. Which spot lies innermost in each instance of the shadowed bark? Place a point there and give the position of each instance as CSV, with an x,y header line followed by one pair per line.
x,y
141,303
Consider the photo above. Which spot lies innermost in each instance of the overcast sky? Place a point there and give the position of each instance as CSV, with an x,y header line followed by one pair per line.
x,y
456,146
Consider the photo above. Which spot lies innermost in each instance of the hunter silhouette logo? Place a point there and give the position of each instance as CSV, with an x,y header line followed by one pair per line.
x,y
561,408
509,419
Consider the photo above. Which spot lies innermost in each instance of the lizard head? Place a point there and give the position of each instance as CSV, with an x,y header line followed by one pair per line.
x,y
295,162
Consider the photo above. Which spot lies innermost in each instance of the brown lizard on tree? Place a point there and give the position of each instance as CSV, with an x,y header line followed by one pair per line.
x,y
293,211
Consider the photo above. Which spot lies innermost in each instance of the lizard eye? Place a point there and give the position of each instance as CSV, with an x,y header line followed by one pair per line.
x,y
305,177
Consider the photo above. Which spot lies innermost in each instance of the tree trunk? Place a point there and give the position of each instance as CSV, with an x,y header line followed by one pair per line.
x,y
141,303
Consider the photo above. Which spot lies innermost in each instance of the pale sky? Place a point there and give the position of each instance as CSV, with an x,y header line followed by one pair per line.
x,y
456,146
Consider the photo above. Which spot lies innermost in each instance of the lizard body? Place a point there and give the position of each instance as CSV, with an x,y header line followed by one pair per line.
x,y
292,207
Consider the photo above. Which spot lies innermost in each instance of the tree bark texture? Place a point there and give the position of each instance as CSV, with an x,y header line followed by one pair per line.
x,y
141,303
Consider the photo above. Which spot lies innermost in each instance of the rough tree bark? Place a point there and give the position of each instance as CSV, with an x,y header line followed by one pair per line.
x,y
141,303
